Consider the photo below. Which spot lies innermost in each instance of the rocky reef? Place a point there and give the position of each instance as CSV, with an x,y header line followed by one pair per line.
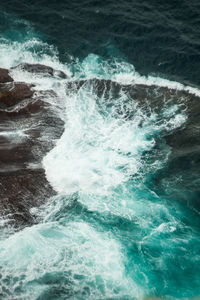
x,y
29,128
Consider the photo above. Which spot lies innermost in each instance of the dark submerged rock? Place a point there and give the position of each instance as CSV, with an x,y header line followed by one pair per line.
x,y
28,130
4,76
41,69
21,190
15,94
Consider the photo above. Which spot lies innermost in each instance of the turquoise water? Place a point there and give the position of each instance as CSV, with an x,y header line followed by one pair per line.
x,y
108,233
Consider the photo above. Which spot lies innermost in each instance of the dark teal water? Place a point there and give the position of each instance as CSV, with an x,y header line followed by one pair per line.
x,y
125,222
159,37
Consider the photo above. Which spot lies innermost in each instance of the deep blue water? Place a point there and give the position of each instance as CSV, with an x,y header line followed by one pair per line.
x,y
161,37
125,222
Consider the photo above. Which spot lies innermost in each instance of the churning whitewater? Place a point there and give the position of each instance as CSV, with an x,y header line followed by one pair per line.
x,y
108,233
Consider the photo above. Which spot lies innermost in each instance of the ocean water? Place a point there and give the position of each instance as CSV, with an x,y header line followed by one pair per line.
x,y
124,224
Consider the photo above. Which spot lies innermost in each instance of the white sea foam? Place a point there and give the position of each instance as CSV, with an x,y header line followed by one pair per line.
x,y
16,136
89,263
99,152
31,51
125,73
94,150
